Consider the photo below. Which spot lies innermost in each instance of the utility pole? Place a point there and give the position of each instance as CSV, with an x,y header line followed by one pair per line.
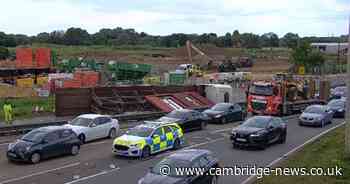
x,y
347,125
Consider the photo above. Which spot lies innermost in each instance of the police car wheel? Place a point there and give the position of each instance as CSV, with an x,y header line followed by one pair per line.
x,y
176,144
146,152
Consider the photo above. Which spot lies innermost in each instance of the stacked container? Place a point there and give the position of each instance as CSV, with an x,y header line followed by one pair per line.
x,y
24,58
43,57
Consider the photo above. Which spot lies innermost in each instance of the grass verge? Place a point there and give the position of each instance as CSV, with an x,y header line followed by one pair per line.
x,y
327,152
23,107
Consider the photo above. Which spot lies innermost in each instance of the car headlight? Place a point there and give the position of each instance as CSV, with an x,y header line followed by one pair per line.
x,y
341,110
234,133
28,148
318,118
138,145
218,116
10,146
258,134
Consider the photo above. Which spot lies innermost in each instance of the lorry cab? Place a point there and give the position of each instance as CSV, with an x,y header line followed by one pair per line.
x,y
264,98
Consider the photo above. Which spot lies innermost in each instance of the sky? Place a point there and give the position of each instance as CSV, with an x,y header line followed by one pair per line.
x,y
163,17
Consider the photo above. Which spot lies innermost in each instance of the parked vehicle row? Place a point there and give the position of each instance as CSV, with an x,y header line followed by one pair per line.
x,y
167,133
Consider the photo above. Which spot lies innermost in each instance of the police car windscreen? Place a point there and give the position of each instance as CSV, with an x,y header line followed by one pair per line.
x,y
140,131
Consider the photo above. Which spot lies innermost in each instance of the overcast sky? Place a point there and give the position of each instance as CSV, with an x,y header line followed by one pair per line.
x,y
162,17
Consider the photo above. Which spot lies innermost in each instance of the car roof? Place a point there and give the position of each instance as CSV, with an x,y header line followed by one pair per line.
x,y
317,106
189,154
155,124
92,116
52,128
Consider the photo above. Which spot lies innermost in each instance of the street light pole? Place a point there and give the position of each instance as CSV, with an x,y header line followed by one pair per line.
x,y
347,128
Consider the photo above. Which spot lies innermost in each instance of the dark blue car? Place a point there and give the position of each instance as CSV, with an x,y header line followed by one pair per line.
x,y
225,113
43,143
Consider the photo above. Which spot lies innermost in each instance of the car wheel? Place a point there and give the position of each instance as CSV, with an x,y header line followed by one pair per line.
x,y
223,120
323,123
146,152
112,133
214,180
176,144
35,158
282,138
203,125
82,138
75,150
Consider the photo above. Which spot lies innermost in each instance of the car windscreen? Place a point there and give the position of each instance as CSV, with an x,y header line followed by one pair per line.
x,y
261,90
171,163
176,114
85,122
314,110
336,103
220,107
257,122
34,136
140,131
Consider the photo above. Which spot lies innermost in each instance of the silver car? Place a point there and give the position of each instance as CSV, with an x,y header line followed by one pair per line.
x,y
316,115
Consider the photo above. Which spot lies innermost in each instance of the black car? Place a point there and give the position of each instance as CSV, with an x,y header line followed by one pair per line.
x,y
260,131
225,113
338,107
186,119
164,172
44,143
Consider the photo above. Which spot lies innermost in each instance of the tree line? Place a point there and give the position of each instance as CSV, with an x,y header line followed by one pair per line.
x,y
120,36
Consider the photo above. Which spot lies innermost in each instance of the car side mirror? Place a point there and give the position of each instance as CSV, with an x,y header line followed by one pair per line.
x,y
93,125
271,127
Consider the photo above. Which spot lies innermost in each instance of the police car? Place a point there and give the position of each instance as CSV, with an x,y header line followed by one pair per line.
x,y
147,139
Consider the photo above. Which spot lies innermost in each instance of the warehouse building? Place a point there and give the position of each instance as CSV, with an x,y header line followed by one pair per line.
x,y
331,48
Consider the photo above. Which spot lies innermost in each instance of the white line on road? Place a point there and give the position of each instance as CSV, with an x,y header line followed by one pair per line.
x,y
39,173
92,176
221,130
4,144
251,179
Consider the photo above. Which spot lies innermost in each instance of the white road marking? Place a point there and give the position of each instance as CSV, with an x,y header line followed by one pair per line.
x,y
39,173
93,176
252,179
221,130
5,144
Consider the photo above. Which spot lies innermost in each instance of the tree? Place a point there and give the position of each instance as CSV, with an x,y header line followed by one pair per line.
x,y
7,40
290,40
56,37
76,36
250,40
269,40
4,53
236,39
304,55
228,40
43,37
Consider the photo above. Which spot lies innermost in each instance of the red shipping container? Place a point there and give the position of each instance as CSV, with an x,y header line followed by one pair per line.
x,y
91,79
43,57
72,84
24,58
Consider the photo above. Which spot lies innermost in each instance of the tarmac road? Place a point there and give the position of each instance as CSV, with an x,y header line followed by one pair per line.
x,y
97,165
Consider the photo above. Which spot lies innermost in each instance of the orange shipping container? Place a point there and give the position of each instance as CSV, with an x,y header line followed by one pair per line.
x,y
24,58
43,57
72,84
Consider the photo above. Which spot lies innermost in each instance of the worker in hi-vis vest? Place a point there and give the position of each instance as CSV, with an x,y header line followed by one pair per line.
x,y
8,112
